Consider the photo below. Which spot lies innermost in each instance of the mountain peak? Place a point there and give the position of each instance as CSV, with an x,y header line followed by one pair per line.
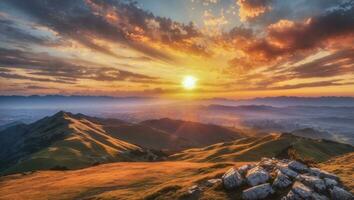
x,y
62,114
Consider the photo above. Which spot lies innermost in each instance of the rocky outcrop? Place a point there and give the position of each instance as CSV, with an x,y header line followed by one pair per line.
x,y
298,167
232,179
323,174
211,182
256,176
281,181
313,182
338,193
258,192
271,177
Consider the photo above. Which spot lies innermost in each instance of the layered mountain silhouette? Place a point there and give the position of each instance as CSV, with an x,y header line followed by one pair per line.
x,y
71,141
63,141
283,145
198,134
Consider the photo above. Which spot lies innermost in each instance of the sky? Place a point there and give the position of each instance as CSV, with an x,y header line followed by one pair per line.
x,y
232,48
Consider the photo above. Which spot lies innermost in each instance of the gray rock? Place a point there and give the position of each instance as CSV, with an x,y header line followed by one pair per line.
x,y
285,170
212,182
256,176
314,182
298,167
257,192
301,191
232,179
244,168
268,164
322,174
194,190
317,196
291,196
281,181
338,193
330,182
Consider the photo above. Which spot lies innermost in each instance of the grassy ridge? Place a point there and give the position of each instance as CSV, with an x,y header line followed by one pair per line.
x,y
276,145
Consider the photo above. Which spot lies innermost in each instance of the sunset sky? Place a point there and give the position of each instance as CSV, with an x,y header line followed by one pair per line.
x,y
233,48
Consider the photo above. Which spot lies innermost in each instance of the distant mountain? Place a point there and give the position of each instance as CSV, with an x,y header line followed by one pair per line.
x,y
288,101
71,141
65,101
312,133
5,126
197,134
275,145
143,135
64,141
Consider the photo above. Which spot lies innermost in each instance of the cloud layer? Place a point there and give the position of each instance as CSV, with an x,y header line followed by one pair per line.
x,y
273,44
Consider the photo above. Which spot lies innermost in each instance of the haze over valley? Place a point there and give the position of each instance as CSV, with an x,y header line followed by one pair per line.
x,y
176,100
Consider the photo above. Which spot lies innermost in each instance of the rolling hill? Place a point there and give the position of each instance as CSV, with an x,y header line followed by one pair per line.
x,y
130,181
64,141
197,134
343,166
72,141
123,181
274,145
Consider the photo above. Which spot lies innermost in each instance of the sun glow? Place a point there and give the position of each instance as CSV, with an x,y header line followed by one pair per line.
x,y
189,82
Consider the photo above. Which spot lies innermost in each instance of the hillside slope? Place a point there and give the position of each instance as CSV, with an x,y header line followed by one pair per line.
x,y
275,145
124,181
343,166
197,134
63,141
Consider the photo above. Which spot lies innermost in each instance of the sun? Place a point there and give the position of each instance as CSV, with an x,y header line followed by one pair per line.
x,y
189,82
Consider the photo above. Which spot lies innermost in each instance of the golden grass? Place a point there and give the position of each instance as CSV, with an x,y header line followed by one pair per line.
x,y
160,180
274,145
342,166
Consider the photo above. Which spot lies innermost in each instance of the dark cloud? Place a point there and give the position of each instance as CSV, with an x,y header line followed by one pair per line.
x,y
10,32
313,84
286,39
276,10
67,71
36,87
30,78
112,21
339,63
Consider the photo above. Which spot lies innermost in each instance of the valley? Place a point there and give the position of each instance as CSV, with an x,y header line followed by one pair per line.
x,y
75,156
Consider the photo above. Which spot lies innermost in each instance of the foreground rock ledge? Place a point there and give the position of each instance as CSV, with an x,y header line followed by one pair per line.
x,y
270,177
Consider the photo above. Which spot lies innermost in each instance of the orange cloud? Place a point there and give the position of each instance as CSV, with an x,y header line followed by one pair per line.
x,y
250,9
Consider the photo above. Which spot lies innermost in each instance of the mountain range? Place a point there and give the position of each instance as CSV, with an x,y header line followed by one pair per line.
x,y
152,159
71,141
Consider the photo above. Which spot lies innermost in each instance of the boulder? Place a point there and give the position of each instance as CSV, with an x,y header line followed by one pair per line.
x,y
268,164
300,191
317,196
322,174
211,182
330,182
281,181
298,167
257,192
285,170
194,190
338,193
314,196
244,169
256,176
232,179
313,182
